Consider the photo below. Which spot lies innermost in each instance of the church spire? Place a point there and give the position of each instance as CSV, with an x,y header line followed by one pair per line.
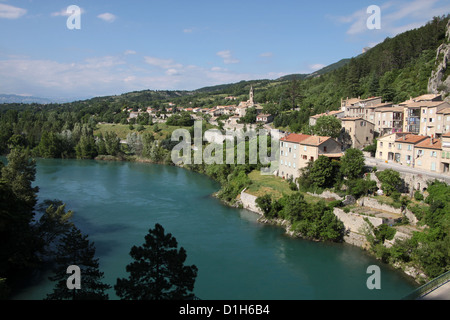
x,y
252,101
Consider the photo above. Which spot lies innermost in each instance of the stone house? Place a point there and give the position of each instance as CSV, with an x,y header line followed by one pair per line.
x,y
397,147
338,114
357,132
264,118
443,122
445,156
428,155
388,119
296,150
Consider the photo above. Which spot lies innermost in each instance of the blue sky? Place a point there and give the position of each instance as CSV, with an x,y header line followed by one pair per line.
x,y
134,45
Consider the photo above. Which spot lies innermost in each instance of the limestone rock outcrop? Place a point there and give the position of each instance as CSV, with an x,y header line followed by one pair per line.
x,y
439,82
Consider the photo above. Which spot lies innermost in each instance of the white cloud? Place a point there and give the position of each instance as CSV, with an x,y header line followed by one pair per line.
x,y
128,52
188,30
10,12
396,16
162,63
227,57
108,17
110,75
172,72
317,66
63,13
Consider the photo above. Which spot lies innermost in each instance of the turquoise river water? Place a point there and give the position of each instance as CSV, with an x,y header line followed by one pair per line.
x,y
116,203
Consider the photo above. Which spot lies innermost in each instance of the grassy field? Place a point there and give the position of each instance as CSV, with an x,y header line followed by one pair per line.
x,y
262,184
122,130
273,185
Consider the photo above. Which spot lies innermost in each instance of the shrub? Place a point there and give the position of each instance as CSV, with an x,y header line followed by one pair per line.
x,y
418,195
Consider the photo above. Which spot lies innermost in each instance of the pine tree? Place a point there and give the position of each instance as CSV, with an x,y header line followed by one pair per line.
x,y
158,272
76,249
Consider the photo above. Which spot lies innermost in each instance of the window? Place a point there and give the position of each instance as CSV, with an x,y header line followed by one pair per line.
x,y
324,149
289,164
281,152
304,148
433,166
381,144
419,162
295,147
409,147
281,161
399,146
295,155
293,164
381,154
282,144
433,154
290,150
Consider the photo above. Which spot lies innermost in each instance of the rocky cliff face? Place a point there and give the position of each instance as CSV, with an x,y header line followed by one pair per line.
x,y
439,81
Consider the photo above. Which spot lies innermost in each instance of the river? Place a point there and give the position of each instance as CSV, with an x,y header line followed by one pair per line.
x,y
116,203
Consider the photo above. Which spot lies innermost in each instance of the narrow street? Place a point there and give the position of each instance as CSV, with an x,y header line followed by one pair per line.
x,y
381,164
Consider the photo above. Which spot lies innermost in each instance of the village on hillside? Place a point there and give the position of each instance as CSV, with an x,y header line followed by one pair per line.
x,y
414,133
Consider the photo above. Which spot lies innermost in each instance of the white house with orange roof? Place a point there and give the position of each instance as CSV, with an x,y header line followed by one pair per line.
x,y
296,150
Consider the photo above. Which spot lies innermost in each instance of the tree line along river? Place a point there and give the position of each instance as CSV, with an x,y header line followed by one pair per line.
x,y
116,203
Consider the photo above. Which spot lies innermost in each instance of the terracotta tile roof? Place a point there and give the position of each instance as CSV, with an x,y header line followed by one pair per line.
x,y
380,105
351,118
430,144
305,139
315,140
445,111
426,97
447,135
331,113
411,138
391,109
429,104
295,137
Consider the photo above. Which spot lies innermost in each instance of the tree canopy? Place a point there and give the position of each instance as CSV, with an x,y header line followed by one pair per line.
x,y
158,271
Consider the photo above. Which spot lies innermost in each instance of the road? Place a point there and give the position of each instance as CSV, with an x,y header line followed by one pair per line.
x,y
381,164
440,293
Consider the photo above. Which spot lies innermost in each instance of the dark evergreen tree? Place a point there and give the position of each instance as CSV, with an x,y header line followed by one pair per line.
x,y
75,249
158,271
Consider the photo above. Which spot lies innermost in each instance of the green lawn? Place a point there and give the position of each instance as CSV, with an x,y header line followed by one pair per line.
x,y
122,130
273,185
262,184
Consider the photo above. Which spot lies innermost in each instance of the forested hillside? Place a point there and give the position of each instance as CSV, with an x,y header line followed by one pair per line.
x,y
396,69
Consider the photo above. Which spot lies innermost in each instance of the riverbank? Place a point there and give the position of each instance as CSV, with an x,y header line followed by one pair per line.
x,y
248,203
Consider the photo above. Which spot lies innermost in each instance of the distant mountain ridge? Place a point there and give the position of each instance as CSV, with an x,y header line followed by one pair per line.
x,y
14,98
320,72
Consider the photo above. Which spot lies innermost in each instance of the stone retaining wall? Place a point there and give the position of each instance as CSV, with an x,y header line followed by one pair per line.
x,y
249,202
374,204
